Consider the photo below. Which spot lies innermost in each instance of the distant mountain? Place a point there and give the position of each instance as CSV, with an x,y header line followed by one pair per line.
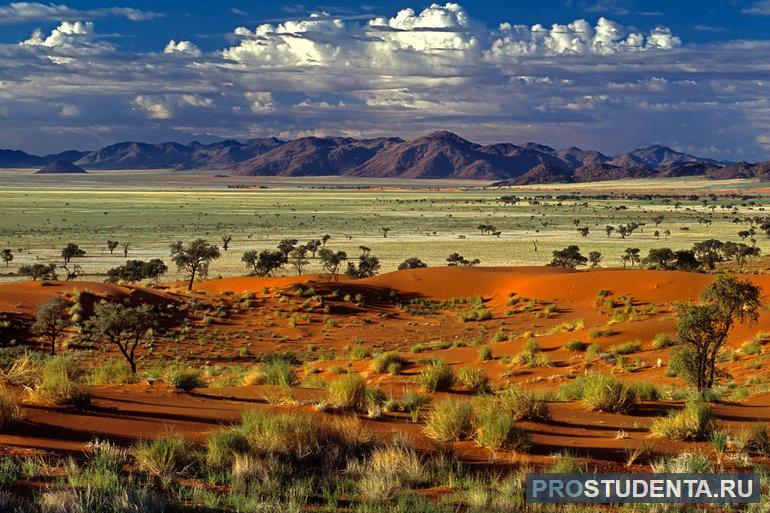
x,y
437,155
60,167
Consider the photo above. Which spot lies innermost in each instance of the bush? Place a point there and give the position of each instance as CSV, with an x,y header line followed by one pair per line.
x,y
388,361
278,371
223,445
495,429
605,393
575,346
476,313
450,420
164,457
113,372
10,413
437,376
694,422
348,391
523,405
184,380
473,379
663,340
57,385
630,347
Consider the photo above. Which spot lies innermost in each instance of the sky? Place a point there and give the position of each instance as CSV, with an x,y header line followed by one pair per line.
x,y
610,75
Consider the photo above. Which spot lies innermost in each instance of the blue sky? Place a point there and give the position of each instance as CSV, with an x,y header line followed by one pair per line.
x,y
604,74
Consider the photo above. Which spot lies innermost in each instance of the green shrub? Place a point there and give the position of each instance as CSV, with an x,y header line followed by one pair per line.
x,y
474,379
278,371
605,393
476,313
412,401
184,380
57,385
437,376
694,422
607,332
223,444
663,340
9,472
565,463
348,391
630,347
495,429
523,405
112,372
752,347
450,420
389,361
645,391
485,353
575,346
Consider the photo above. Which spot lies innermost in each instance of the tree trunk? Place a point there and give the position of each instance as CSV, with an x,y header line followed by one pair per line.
x,y
192,280
53,346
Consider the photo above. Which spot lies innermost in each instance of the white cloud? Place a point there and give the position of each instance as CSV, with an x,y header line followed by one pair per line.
x,y
18,12
260,102
182,47
761,8
156,108
195,100
68,34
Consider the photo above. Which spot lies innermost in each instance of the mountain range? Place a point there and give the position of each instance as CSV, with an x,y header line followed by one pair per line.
x,y
437,155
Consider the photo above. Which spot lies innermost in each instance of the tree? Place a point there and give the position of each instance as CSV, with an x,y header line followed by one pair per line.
x,y
325,239
226,241
703,329
660,258
138,270
126,246
456,259
298,259
331,261
584,231
568,257
709,252
385,230
685,260
286,245
71,251
195,258
609,230
72,273
367,266
112,245
487,229
263,263
595,258
7,256
51,320
313,246
657,220
39,271
411,263
632,255
123,326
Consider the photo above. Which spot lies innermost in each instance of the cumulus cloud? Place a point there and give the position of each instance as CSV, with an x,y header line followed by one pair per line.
x,y
182,47
597,84
18,12
761,8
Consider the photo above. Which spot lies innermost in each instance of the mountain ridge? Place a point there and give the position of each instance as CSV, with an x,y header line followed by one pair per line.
x,y
440,154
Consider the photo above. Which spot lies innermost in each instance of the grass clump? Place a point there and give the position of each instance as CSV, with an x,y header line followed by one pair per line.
x,y
575,346
495,429
22,370
347,392
164,457
278,371
663,340
450,420
646,391
473,379
113,372
630,347
223,445
755,439
389,470
184,380
601,392
437,376
475,314
10,413
485,353
694,422
523,405
606,332
389,361
57,385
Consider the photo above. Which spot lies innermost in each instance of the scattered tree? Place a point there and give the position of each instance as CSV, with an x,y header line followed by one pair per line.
x,y
331,261
226,241
568,257
112,245
71,251
313,246
194,259
7,256
367,265
595,258
584,231
264,263
286,245
125,246
298,259
39,271
456,259
138,270
411,263
51,320
123,326
385,230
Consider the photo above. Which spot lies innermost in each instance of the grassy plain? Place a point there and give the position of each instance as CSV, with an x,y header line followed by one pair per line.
x,y
428,219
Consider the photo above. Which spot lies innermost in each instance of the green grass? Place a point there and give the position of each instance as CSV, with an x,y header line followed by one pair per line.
x,y
347,392
436,376
693,422
450,420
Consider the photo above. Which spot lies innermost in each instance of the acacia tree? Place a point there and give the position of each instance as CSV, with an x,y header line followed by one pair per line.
x,y
7,256
39,271
385,230
569,257
112,245
263,263
125,246
195,258
412,263
123,326
703,329
51,320
595,258
71,251
298,259
226,241
331,261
